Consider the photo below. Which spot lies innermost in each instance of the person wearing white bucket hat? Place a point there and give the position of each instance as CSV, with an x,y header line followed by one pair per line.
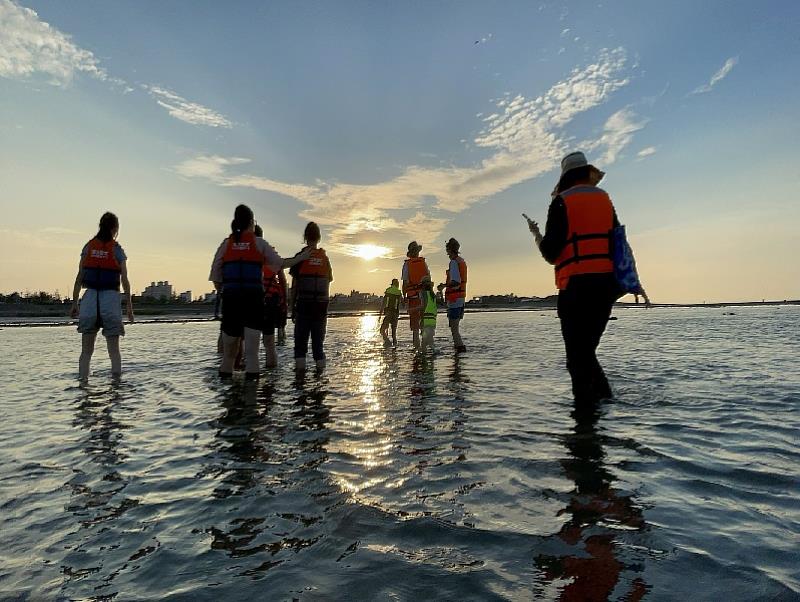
x,y
577,241
414,269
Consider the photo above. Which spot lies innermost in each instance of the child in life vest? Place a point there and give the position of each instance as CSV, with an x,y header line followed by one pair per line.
x,y
429,308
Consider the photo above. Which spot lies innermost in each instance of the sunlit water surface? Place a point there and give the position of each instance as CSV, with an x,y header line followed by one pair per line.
x,y
391,476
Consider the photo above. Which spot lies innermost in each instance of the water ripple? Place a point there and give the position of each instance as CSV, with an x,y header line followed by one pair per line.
x,y
392,476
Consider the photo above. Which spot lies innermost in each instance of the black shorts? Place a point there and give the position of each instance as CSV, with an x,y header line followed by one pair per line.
x,y
272,311
390,317
240,310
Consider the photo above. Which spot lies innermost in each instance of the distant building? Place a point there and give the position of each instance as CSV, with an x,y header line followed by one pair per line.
x,y
185,297
158,290
354,298
210,297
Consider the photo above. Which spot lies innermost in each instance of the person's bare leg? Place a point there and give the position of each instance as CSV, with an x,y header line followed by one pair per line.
x,y
87,348
238,363
457,342
230,348
269,351
427,338
252,344
114,355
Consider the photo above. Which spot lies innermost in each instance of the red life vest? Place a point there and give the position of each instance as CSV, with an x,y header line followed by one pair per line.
x,y
590,224
313,278
272,285
416,269
100,269
242,263
456,290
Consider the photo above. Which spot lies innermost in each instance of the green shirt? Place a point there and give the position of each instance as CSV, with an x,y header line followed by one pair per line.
x,y
391,299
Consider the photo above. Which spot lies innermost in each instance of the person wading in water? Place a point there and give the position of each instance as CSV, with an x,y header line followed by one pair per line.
x,y
455,291
102,268
577,241
414,269
311,280
392,297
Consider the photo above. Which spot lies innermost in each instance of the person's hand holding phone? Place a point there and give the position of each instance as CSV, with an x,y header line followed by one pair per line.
x,y
534,228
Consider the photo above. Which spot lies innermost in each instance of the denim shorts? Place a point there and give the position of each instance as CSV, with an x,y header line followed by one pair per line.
x,y
455,313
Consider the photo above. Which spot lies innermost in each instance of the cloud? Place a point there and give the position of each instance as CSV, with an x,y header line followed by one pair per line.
x,y
646,152
31,47
717,77
524,139
190,112
617,133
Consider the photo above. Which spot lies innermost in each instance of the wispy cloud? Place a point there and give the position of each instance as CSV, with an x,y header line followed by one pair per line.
x,y
525,138
646,152
185,110
29,47
717,77
617,133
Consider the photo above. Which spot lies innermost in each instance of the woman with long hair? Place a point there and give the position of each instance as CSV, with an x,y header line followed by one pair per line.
x,y
237,274
102,268
311,280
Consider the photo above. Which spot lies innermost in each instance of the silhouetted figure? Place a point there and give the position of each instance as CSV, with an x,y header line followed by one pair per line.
x,y
577,242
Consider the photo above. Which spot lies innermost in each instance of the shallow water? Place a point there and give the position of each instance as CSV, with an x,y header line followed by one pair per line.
x,y
395,477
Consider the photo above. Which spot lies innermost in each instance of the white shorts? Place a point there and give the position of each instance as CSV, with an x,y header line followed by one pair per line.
x,y
101,309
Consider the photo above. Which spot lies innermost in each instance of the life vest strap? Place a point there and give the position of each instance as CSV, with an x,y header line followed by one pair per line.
x,y
576,258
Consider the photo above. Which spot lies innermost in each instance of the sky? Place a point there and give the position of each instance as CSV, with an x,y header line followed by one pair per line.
x,y
391,122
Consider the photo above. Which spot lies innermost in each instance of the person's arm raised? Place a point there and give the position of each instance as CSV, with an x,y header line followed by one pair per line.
x,y
534,228
292,261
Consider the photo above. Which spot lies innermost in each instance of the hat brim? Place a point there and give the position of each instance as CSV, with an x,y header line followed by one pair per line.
x,y
589,165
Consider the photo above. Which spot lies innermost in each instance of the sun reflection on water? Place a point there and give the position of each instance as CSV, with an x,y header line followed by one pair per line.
x,y
372,450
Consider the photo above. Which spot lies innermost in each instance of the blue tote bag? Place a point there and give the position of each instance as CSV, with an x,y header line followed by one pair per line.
x,y
624,262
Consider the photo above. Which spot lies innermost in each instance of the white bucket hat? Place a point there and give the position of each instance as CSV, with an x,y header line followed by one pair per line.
x,y
575,160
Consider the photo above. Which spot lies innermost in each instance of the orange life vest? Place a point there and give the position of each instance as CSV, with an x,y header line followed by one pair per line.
x,y
590,223
242,263
99,267
272,283
456,290
313,279
416,268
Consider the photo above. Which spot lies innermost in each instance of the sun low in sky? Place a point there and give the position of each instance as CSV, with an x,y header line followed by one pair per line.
x,y
368,252
392,122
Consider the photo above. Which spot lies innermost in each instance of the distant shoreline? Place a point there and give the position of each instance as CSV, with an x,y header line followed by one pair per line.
x,y
161,314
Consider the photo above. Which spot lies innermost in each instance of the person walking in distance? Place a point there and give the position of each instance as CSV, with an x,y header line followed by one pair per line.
x,y
311,280
101,270
455,291
577,241
392,297
429,309
414,268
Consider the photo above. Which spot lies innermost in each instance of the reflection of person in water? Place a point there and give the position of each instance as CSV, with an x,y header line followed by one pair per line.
x,y
98,496
258,450
593,569
237,443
